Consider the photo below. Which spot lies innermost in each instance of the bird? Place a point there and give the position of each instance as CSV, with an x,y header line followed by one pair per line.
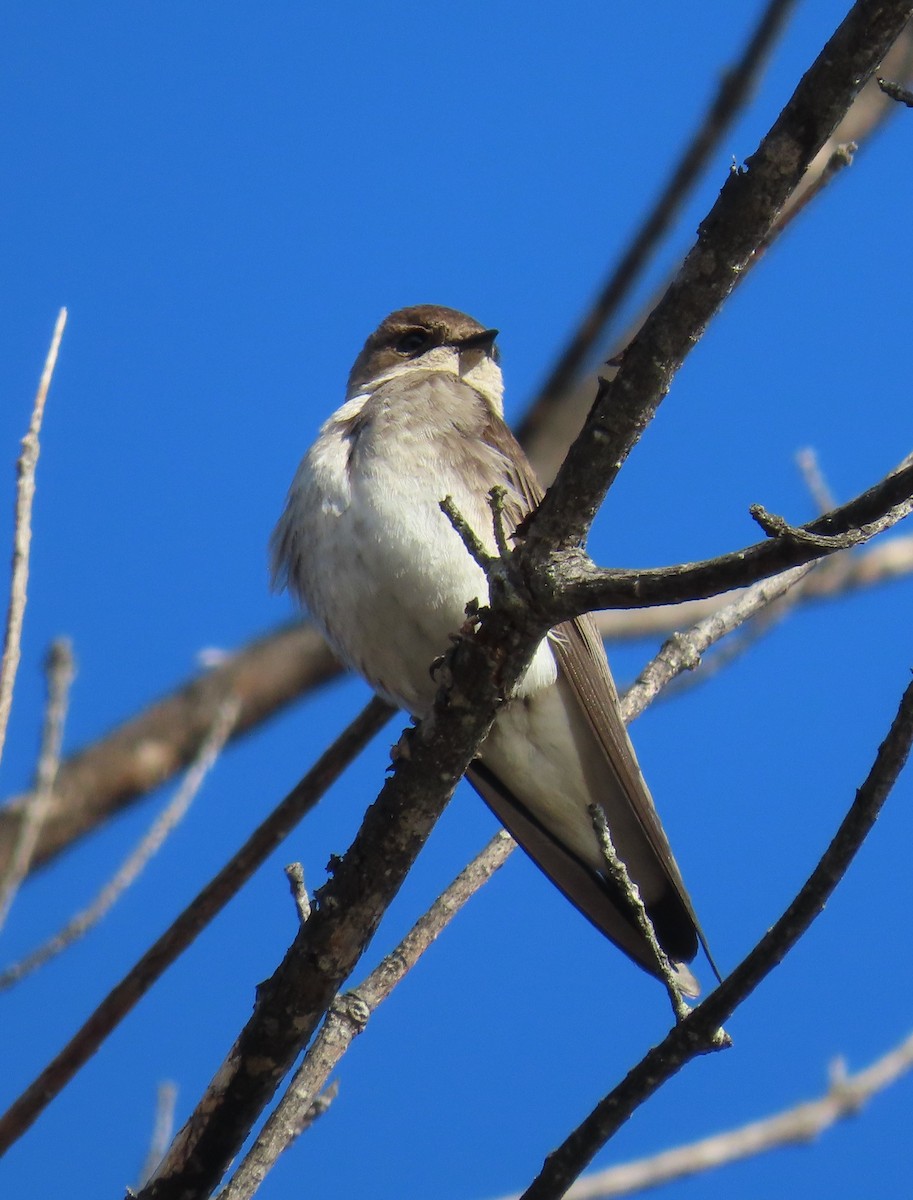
x,y
364,546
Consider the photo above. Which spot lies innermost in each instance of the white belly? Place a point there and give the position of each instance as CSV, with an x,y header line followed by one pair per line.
x,y
388,578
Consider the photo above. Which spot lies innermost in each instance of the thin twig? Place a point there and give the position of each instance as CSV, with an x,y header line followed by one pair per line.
x,y
350,1014
162,1129
22,533
813,476
294,873
894,91
683,650
59,671
467,535
148,749
798,1125
889,560
572,584
173,813
617,872
190,923
696,1034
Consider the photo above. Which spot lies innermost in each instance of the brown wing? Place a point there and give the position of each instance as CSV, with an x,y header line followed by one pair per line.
x,y
583,664
582,660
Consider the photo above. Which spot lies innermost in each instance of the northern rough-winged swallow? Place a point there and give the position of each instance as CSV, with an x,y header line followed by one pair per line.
x,y
364,545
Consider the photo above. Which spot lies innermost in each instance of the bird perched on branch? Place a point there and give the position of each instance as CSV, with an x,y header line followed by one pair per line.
x,y
363,543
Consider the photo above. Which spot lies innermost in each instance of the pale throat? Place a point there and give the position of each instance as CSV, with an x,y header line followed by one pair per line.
x,y
484,375
473,366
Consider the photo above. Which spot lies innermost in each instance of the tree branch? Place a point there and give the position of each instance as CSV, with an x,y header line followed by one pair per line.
x,y
574,585
889,560
195,917
846,1095
698,1032
728,238
148,749
59,669
349,1015
346,911
127,873
26,467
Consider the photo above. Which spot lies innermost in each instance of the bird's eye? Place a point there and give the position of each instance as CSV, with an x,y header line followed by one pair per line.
x,y
413,342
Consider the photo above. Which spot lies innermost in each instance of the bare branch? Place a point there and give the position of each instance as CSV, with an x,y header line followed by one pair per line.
x,y
474,546
617,872
22,533
698,1032
195,917
349,1015
818,487
890,559
743,215
163,1128
347,909
894,91
574,585
846,1095
59,669
136,861
148,749
294,873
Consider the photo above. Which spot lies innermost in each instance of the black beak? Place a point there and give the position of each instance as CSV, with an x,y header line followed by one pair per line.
x,y
484,340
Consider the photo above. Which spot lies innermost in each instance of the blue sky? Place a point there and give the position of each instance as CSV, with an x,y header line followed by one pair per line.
x,y
228,199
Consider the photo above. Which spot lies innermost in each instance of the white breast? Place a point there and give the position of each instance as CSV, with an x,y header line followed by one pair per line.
x,y
380,567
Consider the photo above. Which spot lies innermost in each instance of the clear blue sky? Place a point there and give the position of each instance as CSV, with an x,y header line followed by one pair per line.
x,y
228,198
